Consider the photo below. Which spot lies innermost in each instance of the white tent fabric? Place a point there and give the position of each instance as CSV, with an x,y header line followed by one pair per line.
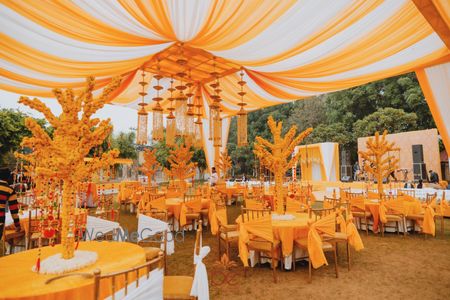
x,y
435,83
148,226
97,228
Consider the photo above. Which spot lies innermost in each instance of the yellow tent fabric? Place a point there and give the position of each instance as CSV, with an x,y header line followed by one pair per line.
x,y
337,45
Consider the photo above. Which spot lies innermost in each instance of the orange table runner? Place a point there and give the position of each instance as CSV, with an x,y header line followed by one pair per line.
x,y
19,282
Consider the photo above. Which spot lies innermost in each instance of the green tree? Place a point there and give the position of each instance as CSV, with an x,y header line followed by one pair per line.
x,y
124,142
335,132
391,119
13,130
200,159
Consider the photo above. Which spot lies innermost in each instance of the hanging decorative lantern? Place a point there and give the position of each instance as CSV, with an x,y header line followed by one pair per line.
x,y
215,121
242,115
198,125
141,136
181,99
158,126
190,115
171,120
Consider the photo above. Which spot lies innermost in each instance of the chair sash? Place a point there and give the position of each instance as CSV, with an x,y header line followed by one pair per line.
x,y
325,225
195,206
159,203
200,287
261,227
358,202
216,217
349,228
428,225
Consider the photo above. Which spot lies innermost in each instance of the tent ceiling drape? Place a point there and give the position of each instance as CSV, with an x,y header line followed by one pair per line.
x,y
289,49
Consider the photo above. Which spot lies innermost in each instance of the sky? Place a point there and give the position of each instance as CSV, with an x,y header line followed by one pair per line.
x,y
122,118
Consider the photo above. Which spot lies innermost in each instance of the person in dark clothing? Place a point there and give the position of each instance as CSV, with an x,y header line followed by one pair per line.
x,y
434,178
420,184
7,199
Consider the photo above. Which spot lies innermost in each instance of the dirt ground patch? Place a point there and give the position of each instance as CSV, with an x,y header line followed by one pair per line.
x,y
394,267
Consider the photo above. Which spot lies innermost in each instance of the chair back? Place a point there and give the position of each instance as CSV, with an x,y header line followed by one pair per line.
x,y
192,197
248,214
128,276
329,202
431,198
411,192
353,195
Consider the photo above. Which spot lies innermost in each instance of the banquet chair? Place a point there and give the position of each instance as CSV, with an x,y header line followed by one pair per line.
x,y
133,279
193,204
179,287
358,210
392,211
319,213
440,212
253,202
261,246
411,192
228,235
248,214
292,205
14,238
329,202
328,244
420,217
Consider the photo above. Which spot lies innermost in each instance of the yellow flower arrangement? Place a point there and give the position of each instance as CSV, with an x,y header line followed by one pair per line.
x,y
275,156
62,155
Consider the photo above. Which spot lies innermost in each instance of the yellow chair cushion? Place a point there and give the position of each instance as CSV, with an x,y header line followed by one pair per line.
x,y
151,252
262,245
177,287
361,214
393,218
232,235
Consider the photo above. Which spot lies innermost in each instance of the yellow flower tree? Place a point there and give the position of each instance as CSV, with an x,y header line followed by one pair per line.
x,y
223,164
150,165
181,166
62,155
376,163
277,156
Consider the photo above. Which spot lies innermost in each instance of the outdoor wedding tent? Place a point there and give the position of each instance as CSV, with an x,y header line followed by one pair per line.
x,y
288,50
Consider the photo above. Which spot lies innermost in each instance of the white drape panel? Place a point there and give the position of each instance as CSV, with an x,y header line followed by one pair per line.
x,y
149,289
328,151
200,286
96,226
187,17
435,83
148,226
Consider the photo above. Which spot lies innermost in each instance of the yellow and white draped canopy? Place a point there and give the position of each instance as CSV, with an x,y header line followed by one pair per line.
x,y
289,50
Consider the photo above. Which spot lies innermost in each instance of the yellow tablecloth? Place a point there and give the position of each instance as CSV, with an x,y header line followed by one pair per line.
x,y
17,281
287,231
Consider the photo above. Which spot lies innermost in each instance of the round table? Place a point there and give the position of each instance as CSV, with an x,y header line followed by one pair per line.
x,y
19,282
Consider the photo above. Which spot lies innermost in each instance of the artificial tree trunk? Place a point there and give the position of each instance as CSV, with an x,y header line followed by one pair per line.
x,y
279,193
67,212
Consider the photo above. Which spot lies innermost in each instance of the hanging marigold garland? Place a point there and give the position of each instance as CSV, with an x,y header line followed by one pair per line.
x,y
141,136
242,114
171,128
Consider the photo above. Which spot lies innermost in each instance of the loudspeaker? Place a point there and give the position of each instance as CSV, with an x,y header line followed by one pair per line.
x,y
420,171
417,152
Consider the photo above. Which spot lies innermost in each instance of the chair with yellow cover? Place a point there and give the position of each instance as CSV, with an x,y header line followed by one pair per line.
x,y
358,209
440,212
425,219
293,205
315,244
181,287
144,281
256,234
190,210
227,234
253,202
391,211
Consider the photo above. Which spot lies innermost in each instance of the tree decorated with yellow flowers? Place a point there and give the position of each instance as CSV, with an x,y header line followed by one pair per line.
x,y
379,162
223,164
62,155
181,166
277,155
150,165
